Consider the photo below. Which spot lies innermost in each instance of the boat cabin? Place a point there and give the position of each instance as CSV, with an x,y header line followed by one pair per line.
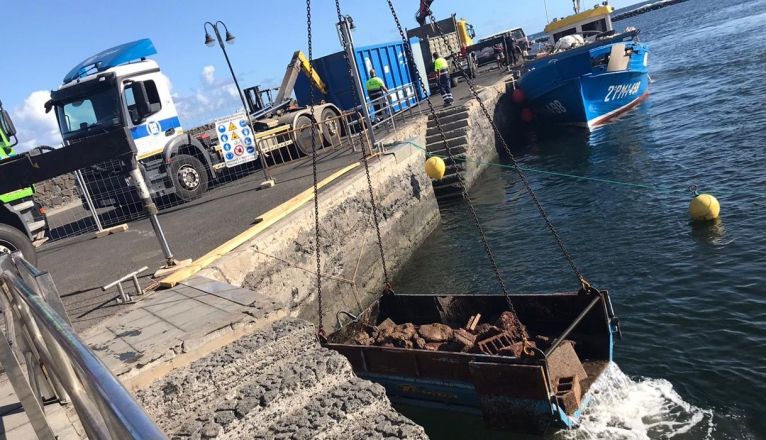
x,y
588,23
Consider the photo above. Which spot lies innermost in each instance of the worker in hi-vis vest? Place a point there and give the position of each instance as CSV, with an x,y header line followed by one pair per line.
x,y
442,69
376,89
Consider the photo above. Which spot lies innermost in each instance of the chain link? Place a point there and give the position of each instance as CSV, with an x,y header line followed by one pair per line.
x,y
314,171
349,70
451,157
580,278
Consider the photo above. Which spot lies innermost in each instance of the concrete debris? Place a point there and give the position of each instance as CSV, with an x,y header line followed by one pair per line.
x,y
435,332
464,339
472,322
506,337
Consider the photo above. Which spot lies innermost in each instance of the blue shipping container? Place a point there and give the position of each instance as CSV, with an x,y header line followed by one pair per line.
x,y
390,63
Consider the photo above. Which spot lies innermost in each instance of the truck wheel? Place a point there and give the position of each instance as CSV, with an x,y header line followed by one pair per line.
x,y
453,81
12,240
189,177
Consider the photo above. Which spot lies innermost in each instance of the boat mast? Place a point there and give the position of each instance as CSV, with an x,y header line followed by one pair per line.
x,y
576,4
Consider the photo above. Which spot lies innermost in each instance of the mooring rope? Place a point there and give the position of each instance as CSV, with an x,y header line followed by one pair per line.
x,y
633,185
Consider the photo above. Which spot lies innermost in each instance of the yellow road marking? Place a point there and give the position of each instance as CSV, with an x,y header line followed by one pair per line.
x,y
263,222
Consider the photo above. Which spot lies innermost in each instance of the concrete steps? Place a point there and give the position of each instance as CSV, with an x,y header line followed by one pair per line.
x,y
458,133
447,127
454,126
447,118
277,383
456,146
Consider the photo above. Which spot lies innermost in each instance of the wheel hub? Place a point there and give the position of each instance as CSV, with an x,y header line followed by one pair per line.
x,y
6,248
332,127
188,177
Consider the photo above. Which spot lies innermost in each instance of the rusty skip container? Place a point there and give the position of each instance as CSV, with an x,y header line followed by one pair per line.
x,y
545,389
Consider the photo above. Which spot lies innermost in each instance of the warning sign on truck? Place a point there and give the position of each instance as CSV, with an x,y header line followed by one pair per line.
x,y
235,138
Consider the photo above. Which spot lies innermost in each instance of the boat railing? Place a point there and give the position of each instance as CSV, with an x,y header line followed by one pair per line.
x,y
59,364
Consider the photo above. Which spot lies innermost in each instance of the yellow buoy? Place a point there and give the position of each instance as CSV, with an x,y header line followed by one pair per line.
x,y
704,207
435,167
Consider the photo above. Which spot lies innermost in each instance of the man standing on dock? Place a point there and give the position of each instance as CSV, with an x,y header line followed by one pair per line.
x,y
376,89
442,69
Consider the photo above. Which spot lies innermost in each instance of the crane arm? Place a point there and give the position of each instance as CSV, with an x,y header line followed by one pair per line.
x,y
297,63
423,11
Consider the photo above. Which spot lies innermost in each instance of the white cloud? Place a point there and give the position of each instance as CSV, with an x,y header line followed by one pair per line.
x,y
34,126
208,74
231,89
213,98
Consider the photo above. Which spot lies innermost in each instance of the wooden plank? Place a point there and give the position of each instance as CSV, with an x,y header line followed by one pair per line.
x,y
262,222
113,230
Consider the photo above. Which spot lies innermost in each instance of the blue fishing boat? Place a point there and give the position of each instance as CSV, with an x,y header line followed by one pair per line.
x,y
589,74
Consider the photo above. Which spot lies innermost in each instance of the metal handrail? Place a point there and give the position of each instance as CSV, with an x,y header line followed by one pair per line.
x,y
106,408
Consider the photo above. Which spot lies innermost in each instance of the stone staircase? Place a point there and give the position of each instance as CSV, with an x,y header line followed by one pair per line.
x,y
277,383
455,123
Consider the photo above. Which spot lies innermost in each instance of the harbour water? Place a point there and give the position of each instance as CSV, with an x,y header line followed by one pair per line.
x,y
691,298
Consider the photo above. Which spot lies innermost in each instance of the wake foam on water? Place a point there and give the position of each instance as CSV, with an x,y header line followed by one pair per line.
x,y
645,408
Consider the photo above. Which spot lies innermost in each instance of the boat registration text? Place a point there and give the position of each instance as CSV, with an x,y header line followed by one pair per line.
x,y
622,90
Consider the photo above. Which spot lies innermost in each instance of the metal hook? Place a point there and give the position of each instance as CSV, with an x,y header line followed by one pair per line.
x,y
693,188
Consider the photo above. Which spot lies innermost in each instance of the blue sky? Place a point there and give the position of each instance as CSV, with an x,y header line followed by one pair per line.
x,y
48,37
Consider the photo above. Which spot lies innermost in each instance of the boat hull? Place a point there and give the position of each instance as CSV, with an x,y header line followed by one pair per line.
x,y
591,101
584,87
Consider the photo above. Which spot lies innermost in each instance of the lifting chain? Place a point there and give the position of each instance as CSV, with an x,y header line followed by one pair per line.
x,y
527,186
387,286
461,182
314,171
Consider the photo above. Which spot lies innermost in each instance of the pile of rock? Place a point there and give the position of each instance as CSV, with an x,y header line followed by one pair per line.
x,y
507,336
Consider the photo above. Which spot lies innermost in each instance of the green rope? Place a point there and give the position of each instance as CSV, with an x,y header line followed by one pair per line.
x,y
571,176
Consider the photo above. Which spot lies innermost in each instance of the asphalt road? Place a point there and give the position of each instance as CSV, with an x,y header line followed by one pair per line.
x,y
80,266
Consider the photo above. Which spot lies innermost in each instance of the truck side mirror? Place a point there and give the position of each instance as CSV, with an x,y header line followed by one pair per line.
x,y
8,127
143,108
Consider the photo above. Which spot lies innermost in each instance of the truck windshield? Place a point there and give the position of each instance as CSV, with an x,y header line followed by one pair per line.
x,y
81,115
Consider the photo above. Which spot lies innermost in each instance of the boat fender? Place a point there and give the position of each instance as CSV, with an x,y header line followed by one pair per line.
x,y
518,96
435,167
704,207
527,115
568,42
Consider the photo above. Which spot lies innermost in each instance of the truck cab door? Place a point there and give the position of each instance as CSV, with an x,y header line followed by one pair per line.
x,y
150,114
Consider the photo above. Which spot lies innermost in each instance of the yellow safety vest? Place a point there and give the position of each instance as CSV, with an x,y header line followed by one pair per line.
x,y
441,64
374,84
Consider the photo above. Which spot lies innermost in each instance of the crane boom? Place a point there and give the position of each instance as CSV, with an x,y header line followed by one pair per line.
x,y
423,11
297,63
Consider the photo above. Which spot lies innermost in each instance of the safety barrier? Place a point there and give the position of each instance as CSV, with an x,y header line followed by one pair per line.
x,y
106,196
60,366
393,109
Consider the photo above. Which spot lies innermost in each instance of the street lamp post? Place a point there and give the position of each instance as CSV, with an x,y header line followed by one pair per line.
x,y
269,182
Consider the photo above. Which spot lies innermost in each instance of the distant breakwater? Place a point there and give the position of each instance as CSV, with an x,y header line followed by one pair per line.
x,y
645,8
